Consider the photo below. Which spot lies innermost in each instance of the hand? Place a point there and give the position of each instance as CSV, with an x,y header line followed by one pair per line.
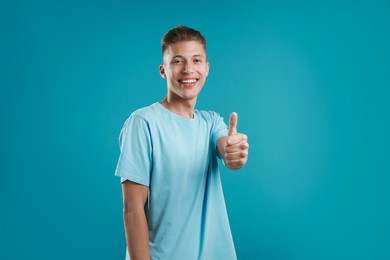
x,y
236,148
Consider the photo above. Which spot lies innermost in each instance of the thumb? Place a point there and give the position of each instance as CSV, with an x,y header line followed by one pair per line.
x,y
233,124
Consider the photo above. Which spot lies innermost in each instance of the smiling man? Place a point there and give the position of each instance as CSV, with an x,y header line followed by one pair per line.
x,y
174,206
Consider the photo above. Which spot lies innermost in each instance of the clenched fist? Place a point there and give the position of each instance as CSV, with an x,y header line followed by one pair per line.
x,y
236,146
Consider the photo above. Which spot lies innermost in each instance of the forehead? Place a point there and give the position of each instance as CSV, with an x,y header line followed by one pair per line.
x,y
185,49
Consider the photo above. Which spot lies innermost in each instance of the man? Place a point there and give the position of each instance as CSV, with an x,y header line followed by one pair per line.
x,y
173,202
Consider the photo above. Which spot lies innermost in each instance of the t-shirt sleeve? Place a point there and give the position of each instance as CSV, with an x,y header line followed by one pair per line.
x,y
135,159
219,128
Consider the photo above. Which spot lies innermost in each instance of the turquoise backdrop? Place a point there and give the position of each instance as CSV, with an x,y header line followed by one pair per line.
x,y
309,81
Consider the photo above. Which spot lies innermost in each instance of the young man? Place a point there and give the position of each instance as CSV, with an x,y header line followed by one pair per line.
x,y
174,207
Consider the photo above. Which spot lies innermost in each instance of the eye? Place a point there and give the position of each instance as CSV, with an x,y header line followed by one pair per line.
x,y
197,60
176,61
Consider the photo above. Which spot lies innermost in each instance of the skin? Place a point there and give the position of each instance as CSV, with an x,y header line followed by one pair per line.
x,y
136,228
233,149
185,69
184,61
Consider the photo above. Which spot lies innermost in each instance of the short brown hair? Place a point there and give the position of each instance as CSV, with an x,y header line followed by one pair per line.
x,y
180,34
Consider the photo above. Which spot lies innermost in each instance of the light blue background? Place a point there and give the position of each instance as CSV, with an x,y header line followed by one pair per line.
x,y
310,83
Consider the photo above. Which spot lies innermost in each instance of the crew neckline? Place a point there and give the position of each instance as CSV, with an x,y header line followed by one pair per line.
x,y
183,118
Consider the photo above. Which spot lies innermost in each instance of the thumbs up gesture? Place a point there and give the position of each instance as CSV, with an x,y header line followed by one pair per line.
x,y
236,146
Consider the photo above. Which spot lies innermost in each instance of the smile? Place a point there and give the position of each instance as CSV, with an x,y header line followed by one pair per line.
x,y
188,81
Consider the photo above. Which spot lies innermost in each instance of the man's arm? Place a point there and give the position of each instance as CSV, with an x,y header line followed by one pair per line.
x,y
136,228
233,149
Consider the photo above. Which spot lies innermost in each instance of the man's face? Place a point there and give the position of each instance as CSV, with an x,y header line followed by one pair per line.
x,y
185,67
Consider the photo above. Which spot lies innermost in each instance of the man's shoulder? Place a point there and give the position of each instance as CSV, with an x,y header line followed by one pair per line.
x,y
209,115
146,113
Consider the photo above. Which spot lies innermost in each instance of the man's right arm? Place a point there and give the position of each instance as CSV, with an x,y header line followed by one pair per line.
x,y
136,228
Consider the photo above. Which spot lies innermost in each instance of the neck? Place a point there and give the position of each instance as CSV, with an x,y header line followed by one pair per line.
x,y
182,108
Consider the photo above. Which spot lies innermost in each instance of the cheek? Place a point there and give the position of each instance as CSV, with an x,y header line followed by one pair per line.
x,y
175,71
204,70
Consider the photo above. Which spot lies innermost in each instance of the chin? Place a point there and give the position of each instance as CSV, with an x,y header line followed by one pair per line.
x,y
189,96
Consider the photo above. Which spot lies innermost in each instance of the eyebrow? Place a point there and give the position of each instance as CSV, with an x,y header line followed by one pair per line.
x,y
196,55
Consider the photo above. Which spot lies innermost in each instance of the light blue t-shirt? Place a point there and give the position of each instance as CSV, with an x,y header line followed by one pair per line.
x,y
176,158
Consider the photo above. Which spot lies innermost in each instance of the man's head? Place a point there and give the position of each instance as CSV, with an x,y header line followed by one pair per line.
x,y
181,34
185,65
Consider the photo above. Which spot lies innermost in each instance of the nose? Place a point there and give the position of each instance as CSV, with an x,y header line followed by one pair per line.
x,y
187,68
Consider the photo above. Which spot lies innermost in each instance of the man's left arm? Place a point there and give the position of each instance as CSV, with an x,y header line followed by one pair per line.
x,y
233,149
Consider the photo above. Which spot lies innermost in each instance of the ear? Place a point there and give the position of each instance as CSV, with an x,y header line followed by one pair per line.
x,y
162,71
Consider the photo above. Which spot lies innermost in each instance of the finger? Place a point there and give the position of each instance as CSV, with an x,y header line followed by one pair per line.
x,y
233,124
235,139
237,147
236,155
236,164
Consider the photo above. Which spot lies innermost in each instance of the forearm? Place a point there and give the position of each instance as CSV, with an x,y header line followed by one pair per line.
x,y
137,234
221,145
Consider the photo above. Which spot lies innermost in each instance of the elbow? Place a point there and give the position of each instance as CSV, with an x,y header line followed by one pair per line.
x,y
133,211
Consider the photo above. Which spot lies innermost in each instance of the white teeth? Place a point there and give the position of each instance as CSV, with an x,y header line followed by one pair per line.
x,y
188,81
